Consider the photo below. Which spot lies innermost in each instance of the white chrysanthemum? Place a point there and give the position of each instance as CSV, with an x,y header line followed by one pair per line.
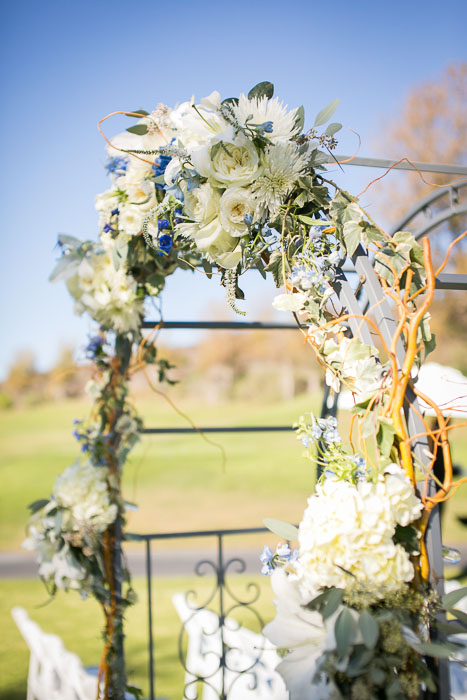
x,y
82,488
282,166
349,528
264,110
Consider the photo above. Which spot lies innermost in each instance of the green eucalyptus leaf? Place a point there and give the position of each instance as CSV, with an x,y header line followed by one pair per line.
x,y
333,600
139,129
333,128
369,629
137,111
230,100
281,529
264,89
37,505
344,630
359,660
326,113
439,650
459,614
300,118
450,599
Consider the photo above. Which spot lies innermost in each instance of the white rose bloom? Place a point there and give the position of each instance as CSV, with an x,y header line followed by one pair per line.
x,y
202,203
405,505
264,110
82,488
235,204
289,302
130,219
235,163
218,245
304,634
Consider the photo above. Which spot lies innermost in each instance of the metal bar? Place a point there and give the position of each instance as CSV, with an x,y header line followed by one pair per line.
x,y
423,204
220,325
454,282
439,219
152,688
226,429
384,163
220,583
193,533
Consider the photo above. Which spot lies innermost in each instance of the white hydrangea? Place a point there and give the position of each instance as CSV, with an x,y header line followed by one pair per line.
x,y
83,490
349,527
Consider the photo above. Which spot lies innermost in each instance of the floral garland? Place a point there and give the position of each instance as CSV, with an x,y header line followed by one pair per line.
x,y
237,184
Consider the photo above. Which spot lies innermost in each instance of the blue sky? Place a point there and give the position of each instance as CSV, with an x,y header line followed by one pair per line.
x,y
65,65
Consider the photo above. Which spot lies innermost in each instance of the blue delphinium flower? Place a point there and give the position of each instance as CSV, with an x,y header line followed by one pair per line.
x,y
248,219
160,164
95,345
265,128
165,244
280,557
163,224
116,165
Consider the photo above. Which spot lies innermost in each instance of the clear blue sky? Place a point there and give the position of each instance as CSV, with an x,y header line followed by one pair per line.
x,y
67,64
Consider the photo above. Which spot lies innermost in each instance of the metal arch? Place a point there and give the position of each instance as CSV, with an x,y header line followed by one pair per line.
x,y
424,204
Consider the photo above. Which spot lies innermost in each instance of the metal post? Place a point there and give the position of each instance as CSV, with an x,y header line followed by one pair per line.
x,y
220,583
151,641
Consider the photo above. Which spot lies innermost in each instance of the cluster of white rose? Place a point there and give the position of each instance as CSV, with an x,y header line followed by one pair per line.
x,y
350,528
78,512
105,290
226,183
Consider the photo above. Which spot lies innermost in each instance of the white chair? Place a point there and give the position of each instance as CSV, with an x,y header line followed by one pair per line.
x,y
250,658
54,673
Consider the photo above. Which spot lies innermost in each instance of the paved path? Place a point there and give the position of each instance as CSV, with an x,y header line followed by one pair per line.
x,y
163,563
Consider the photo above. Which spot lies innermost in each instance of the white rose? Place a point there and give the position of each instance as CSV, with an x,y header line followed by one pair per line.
x,y
289,302
235,204
131,218
235,162
202,203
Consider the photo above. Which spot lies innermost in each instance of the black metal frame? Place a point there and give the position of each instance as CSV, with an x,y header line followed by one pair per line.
x,y
361,265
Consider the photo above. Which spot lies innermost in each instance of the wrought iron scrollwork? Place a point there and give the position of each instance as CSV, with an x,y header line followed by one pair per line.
x,y
221,658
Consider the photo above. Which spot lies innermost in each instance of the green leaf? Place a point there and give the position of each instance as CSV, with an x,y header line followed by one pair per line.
x,y
450,599
260,268
459,614
230,100
440,650
281,529
207,267
367,427
326,113
451,627
333,128
344,630
385,435
300,118
137,111
313,222
352,236
264,89
360,658
369,629
333,600
139,129
214,150
37,505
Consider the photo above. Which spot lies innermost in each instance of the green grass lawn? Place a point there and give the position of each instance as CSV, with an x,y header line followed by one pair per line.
x,y
178,481
77,623
179,484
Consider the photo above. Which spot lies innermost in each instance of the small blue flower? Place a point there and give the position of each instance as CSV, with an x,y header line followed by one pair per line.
x,y
108,228
117,165
281,556
248,219
359,461
329,473
331,421
115,212
160,164
165,244
316,432
305,440
162,224
76,435
331,435
265,128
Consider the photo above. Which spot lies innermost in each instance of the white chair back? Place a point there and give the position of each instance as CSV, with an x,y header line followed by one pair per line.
x,y
250,659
